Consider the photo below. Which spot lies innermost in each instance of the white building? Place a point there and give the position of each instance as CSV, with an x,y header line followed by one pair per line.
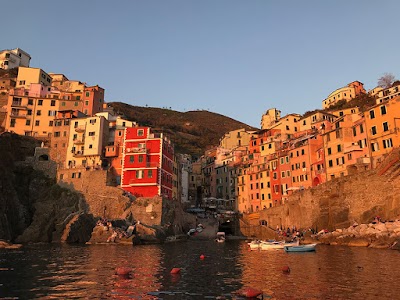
x,y
14,58
87,139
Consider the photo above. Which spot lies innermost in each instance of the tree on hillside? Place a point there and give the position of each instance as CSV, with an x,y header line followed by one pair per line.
x,y
386,80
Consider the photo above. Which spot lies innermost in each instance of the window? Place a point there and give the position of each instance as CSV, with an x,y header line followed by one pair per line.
x,y
139,174
39,113
86,103
30,101
53,103
40,102
302,152
361,128
51,123
387,143
374,147
93,121
339,148
372,114
330,163
140,132
329,151
28,122
78,98
56,134
131,159
87,94
383,110
73,175
354,131
140,158
275,175
63,103
37,123
373,130
385,126
283,174
76,103
150,173
91,133
51,113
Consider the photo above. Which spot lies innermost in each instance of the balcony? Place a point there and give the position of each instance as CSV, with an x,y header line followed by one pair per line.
x,y
18,104
80,129
133,150
17,115
79,141
78,153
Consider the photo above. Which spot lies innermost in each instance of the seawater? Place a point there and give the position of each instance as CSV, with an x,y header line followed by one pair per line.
x,y
88,272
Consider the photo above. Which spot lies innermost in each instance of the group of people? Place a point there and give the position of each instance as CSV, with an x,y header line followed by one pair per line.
x,y
117,232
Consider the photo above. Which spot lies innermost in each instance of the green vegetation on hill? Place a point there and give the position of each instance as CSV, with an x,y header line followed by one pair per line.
x,y
363,102
191,132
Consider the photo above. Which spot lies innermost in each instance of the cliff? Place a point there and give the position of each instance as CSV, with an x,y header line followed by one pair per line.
x,y
34,208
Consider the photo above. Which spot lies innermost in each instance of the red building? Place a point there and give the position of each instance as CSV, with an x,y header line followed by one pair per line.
x,y
147,163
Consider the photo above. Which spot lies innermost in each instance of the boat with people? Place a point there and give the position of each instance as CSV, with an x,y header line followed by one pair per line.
x,y
278,245
301,248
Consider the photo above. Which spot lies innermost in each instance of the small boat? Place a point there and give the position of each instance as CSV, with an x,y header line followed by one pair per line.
x,y
277,245
301,248
220,237
254,245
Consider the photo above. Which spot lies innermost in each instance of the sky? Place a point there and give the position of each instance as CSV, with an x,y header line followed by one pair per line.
x,y
233,57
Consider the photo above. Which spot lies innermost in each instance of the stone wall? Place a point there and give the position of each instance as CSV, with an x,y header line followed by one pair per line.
x,y
339,203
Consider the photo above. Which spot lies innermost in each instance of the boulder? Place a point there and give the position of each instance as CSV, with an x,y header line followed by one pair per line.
x,y
358,242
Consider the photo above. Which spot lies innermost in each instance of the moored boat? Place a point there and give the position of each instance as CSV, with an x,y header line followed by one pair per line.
x,y
254,245
300,248
277,245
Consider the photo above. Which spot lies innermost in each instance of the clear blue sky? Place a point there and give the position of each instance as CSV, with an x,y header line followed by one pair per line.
x,y
236,58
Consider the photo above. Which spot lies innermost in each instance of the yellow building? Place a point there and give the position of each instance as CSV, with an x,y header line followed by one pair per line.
x,y
345,93
387,94
270,117
336,141
87,138
314,119
346,111
31,112
27,76
288,125
382,125
236,138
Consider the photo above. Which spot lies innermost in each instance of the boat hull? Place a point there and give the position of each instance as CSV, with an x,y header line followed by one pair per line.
x,y
301,248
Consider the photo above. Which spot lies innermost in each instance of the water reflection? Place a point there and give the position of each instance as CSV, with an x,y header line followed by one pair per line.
x,y
76,272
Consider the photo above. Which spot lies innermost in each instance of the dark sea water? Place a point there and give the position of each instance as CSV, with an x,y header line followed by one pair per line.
x,y
88,272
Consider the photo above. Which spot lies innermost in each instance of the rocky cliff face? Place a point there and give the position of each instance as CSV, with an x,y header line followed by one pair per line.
x,y
339,203
32,206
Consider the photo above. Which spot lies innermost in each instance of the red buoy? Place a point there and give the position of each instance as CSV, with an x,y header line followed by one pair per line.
x,y
123,271
175,270
249,292
202,256
286,269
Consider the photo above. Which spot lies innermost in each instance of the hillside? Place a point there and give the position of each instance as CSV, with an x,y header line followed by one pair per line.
x,y
192,132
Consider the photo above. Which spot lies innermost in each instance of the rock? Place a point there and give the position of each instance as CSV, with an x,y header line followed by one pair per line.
x,y
7,245
380,227
396,245
79,229
358,242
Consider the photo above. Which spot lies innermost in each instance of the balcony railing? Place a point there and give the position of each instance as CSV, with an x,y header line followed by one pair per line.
x,y
135,150
78,153
80,129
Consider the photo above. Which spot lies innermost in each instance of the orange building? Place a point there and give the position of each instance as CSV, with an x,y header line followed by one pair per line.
x,y
382,123
336,141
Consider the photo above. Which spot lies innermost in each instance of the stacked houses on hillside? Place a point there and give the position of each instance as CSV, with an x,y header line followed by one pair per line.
x,y
248,171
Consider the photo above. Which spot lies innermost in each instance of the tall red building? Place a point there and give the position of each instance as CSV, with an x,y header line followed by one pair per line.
x,y
147,163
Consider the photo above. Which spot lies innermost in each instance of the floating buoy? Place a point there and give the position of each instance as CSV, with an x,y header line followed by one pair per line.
x,y
123,271
286,269
202,256
249,292
175,270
